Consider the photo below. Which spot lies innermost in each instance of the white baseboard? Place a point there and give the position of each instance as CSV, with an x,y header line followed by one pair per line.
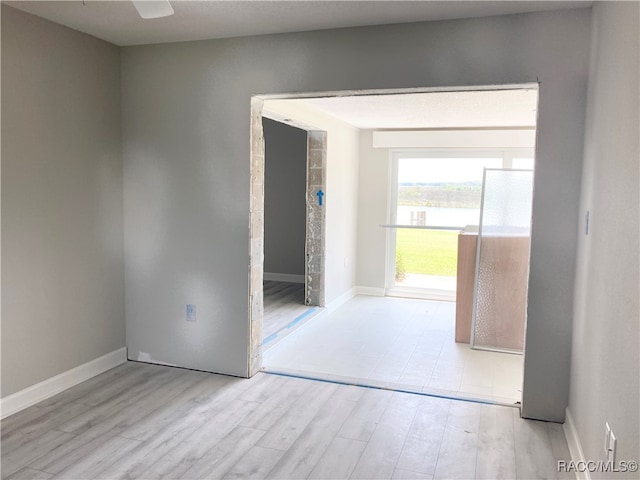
x,y
575,447
341,300
283,277
372,291
40,391
422,293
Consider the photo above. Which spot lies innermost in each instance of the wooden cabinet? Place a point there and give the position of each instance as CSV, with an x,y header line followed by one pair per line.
x,y
465,280
503,295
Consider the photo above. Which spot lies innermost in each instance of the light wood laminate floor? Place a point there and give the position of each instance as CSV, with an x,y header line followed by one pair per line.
x,y
148,421
283,303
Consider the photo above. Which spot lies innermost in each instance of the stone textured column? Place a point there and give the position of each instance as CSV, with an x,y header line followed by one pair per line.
x,y
316,168
256,239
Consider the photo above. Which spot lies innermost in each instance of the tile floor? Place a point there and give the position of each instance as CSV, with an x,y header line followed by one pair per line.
x,y
398,343
434,282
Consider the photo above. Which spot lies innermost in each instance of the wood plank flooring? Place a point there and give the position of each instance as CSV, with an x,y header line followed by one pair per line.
x,y
151,422
283,303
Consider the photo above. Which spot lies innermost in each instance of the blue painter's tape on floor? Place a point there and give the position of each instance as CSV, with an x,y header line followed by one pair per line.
x,y
300,317
376,387
271,337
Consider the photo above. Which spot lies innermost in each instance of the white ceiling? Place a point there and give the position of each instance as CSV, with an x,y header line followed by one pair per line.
x,y
514,108
118,22
462,109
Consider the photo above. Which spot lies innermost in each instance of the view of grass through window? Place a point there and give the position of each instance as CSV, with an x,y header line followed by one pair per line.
x,y
438,192
410,252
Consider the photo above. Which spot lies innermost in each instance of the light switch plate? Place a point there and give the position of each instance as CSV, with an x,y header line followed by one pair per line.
x,y
586,223
612,448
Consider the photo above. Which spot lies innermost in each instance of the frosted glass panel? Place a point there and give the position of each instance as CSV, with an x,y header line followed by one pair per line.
x,y
503,260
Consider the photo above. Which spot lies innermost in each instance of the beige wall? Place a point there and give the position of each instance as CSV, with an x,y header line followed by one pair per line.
x,y
62,207
373,202
605,360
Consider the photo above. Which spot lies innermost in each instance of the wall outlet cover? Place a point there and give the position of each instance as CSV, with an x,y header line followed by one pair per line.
x,y
191,313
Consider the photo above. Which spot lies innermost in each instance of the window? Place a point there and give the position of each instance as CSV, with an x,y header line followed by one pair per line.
x,y
434,196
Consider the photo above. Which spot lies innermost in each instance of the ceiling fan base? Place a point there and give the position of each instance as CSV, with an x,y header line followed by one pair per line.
x,y
149,9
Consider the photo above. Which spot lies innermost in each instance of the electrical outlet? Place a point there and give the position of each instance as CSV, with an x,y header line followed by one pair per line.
x,y
611,454
191,313
607,438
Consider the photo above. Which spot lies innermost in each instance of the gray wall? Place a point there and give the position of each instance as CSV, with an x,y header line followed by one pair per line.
x,y
186,121
62,208
285,179
605,359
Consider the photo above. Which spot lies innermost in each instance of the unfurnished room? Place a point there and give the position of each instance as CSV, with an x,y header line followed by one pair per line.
x,y
320,239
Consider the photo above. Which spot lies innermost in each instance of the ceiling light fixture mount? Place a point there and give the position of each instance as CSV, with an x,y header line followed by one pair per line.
x,y
149,9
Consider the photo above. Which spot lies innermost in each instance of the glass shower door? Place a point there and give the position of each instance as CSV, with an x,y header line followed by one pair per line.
x,y
502,269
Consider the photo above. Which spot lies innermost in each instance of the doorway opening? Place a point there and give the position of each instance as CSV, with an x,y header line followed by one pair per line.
x,y
418,186
273,295
285,234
